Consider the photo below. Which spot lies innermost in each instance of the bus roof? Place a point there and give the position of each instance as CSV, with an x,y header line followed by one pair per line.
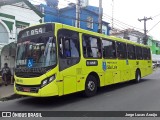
x,y
102,35
92,33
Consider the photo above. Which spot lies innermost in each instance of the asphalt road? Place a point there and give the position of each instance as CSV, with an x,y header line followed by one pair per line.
x,y
144,96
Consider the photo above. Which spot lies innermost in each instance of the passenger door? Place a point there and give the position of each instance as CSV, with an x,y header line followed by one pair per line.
x,y
69,57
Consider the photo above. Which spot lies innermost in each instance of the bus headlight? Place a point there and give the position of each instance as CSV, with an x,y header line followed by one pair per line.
x,y
44,83
51,78
47,81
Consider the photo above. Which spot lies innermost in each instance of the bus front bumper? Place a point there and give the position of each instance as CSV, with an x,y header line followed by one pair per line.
x,y
36,91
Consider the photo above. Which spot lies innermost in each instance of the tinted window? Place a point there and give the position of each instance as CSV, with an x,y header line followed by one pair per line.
x,y
69,44
139,53
121,50
131,51
149,54
109,50
91,47
69,50
145,53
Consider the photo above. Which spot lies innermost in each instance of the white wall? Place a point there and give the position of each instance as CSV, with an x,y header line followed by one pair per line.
x,y
155,57
121,35
21,14
133,38
4,35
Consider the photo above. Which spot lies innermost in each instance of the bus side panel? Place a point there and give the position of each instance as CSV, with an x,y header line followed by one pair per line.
x,y
125,70
150,69
146,66
81,82
123,67
142,66
112,73
108,74
101,73
132,67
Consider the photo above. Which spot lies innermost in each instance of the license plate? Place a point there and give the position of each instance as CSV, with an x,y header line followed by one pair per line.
x,y
26,89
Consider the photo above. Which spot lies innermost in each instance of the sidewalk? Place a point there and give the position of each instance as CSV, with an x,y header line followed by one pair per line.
x,y
6,91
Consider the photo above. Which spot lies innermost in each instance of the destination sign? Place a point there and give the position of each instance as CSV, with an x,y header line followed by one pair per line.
x,y
33,31
36,30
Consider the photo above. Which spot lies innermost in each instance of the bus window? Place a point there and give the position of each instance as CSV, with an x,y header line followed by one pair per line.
x,y
149,54
109,50
131,51
139,53
68,44
91,47
69,50
145,53
121,50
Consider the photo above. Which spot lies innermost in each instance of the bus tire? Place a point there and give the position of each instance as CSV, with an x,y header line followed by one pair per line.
x,y
137,76
90,86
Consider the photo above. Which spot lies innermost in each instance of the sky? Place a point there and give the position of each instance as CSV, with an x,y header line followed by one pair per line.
x,y
127,13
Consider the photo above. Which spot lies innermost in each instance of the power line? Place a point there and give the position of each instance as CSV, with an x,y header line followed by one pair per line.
x,y
107,15
156,15
153,26
120,25
116,21
121,22
54,15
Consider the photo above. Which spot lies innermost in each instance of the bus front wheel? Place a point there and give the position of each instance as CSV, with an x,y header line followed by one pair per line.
x,y
90,86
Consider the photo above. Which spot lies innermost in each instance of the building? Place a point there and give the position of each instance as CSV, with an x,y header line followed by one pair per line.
x,y
154,45
88,16
130,34
155,49
15,15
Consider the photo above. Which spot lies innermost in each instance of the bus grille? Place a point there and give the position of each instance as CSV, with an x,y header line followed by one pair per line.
x,y
30,88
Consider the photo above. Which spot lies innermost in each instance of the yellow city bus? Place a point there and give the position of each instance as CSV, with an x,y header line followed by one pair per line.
x,y
54,59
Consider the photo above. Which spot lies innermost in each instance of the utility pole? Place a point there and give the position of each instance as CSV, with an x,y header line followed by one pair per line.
x,y
145,30
112,13
78,14
100,17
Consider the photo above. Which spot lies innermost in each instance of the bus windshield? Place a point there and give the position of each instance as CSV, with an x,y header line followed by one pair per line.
x,y
39,51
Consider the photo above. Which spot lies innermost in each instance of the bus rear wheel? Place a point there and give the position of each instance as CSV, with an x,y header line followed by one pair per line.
x,y
137,76
90,86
